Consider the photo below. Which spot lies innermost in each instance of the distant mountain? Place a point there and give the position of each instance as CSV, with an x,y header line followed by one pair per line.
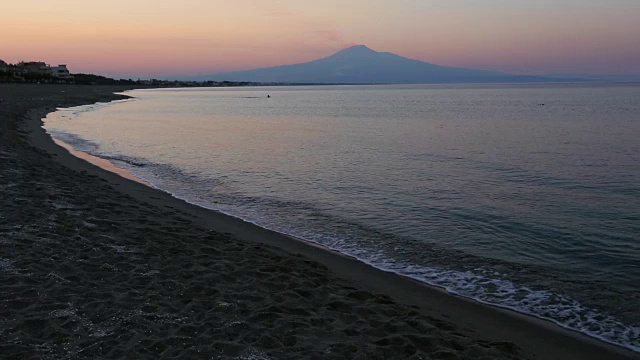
x,y
361,65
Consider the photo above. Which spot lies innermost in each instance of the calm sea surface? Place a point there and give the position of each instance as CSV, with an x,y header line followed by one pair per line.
x,y
482,190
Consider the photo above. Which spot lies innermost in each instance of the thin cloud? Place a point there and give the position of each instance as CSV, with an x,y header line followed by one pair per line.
x,y
333,38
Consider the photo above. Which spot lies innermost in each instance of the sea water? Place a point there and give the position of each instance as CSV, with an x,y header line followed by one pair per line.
x,y
521,196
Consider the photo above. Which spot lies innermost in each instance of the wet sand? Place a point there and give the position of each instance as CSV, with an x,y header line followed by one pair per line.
x,y
94,265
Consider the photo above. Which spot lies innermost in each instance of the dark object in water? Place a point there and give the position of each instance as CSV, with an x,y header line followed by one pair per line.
x,y
268,96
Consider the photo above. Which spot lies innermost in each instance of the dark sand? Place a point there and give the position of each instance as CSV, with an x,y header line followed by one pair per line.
x,y
93,265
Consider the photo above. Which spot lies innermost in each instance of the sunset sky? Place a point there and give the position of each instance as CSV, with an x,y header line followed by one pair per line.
x,y
151,38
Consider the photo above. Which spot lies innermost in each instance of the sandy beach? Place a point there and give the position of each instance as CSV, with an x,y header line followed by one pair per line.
x,y
94,265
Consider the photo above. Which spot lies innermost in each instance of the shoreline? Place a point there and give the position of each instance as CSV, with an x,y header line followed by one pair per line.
x,y
99,162
536,338
107,165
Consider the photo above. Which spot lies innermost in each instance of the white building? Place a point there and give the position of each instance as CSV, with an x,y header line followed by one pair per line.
x,y
60,72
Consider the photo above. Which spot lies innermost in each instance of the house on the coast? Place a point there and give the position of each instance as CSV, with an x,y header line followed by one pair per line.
x,y
35,71
33,68
60,72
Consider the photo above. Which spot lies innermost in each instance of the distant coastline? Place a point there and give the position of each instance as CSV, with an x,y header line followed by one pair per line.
x,y
367,67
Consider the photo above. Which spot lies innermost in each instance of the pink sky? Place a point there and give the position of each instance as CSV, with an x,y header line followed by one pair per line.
x,y
145,38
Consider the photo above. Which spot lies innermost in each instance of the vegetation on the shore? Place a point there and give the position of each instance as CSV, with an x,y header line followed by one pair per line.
x,y
91,79
41,73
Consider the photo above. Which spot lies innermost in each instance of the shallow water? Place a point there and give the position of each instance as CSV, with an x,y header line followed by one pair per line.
x,y
523,196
